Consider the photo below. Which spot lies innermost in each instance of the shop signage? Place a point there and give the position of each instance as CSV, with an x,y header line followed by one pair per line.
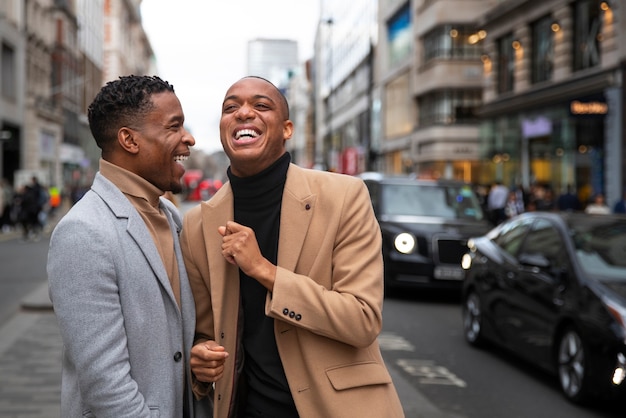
x,y
589,108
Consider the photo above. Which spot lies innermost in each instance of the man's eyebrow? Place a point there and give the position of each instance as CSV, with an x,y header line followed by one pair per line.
x,y
255,97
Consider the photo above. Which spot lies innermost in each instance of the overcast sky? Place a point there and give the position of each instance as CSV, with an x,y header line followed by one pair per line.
x,y
201,45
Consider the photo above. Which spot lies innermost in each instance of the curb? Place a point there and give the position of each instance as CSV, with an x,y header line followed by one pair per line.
x,y
37,300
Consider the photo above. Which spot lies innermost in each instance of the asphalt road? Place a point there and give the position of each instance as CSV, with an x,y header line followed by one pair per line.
x,y
464,381
435,372
30,345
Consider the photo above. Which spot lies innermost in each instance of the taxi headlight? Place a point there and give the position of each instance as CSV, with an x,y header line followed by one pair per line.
x,y
466,261
404,243
620,370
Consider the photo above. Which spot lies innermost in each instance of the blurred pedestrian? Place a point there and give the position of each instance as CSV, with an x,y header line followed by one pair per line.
x,y
6,199
568,200
598,205
32,204
544,199
116,275
55,200
496,202
287,272
514,205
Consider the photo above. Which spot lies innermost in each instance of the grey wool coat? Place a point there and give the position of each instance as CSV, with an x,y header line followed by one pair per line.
x,y
126,342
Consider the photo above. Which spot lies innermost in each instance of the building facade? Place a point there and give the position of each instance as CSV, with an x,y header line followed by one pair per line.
x,y
429,87
56,55
343,84
553,95
12,88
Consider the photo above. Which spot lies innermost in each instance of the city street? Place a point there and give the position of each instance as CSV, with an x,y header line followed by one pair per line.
x,y
435,372
30,345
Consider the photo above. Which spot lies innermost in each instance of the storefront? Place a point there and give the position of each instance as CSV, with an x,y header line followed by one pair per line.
x,y
569,143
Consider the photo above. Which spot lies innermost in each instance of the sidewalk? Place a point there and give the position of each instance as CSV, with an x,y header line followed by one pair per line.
x,y
30,363
30,360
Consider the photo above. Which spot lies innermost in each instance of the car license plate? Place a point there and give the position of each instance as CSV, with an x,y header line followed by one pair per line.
x,y
449,273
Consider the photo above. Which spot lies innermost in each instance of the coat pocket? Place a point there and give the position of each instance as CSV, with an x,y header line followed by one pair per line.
x,y
358,374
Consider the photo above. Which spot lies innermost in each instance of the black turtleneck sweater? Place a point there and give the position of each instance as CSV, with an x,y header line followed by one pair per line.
x,y
257,205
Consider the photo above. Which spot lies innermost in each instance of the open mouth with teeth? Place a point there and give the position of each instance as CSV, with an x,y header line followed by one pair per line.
x,y
180,158
246,133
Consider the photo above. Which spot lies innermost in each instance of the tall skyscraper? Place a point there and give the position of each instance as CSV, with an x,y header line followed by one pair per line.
x,y
272,59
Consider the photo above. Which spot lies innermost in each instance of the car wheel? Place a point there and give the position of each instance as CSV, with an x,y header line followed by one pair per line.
x,y
572,366
473,319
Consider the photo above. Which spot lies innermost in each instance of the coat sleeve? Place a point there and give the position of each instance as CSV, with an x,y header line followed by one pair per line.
x,y
85,294
341,295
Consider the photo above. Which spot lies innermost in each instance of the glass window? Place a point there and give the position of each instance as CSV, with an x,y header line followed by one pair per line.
x,y
399,107
511,237
451,202
451,41
544,239
399,34
449,106
506,64
587,30
9,72
542,50
600,245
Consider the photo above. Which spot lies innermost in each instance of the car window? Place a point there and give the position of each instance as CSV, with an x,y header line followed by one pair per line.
x,y
441,201
601,248
511,236
544,239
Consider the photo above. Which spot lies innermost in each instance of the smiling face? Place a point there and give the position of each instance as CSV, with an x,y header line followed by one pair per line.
x,y
254,126
162,143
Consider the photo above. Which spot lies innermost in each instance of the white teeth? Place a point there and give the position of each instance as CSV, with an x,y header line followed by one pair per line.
x,y
245,132
181,158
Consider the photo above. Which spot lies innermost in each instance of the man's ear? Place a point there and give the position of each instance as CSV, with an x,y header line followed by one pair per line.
x,y
126,139
287,129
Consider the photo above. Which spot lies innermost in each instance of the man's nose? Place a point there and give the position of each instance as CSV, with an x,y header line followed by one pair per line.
x,y
244,112
189,139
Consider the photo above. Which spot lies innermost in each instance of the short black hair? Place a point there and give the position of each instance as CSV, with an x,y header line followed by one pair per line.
x,y
122,102
285,103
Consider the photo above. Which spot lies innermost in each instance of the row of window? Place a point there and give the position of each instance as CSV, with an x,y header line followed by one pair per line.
x,y
461,42
586,38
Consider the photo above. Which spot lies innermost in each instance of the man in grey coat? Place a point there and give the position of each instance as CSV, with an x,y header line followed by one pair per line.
x,y
116,275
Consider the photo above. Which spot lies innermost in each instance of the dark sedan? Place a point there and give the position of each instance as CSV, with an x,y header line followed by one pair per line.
x,y
425,225
551,288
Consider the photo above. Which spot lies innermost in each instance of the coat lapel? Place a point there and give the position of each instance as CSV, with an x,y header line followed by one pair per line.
x,y
215,213
296,214
136,228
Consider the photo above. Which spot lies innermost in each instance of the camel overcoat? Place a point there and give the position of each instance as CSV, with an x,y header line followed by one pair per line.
x,y
327,298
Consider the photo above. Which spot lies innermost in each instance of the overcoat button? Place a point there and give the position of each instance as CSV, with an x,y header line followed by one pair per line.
x,y
285,311
178,356
307,206
292,314
298,317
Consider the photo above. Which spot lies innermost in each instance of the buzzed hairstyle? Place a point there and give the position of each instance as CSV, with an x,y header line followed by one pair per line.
x,y
122,102
283,99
